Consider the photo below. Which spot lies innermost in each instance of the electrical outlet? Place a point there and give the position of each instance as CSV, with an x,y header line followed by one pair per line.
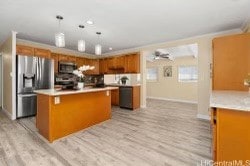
x,y
57,100
107,93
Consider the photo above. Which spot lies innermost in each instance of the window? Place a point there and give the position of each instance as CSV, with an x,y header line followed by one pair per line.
x,y
188,74
152,74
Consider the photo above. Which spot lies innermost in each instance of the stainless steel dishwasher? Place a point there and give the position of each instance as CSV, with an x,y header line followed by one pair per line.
x,y
125,97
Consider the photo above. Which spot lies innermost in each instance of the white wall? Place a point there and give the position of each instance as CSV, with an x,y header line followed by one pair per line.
x,y
8,50
170,88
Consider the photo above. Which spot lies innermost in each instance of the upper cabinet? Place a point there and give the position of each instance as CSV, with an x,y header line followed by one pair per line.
x,y
116,63
24,50
30,51
80,61
132,63
67,58
103,66
42,53
129,63
92,62
231,62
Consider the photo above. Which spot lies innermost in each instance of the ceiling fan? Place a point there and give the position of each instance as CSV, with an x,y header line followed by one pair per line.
x,y
160,55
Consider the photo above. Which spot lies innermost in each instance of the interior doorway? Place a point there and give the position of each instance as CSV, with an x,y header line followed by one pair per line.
x,y
172,73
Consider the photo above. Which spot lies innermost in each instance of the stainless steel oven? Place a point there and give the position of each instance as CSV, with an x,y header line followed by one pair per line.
x,y
67,67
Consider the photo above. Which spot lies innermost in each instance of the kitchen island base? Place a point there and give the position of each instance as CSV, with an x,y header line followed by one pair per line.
x,y
73,112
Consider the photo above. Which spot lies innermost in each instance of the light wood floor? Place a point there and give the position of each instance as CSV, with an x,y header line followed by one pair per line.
x,y
166,133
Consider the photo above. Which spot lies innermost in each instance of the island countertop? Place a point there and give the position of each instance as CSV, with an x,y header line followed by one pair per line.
x,y
54,92
234,100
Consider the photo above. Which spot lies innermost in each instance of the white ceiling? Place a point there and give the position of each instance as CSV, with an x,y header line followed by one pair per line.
x,y
124,23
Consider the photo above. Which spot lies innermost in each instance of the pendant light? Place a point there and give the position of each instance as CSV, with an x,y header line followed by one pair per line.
x,y
59,37
98,47
81,43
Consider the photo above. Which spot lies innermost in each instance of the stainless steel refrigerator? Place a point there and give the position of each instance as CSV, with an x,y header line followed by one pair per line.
x,y
33,73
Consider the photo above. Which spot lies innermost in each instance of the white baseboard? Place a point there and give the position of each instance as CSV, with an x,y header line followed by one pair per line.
x,y
175,100
204,117
7,113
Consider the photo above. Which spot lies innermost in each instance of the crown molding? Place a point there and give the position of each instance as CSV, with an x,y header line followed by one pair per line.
x,y
147,47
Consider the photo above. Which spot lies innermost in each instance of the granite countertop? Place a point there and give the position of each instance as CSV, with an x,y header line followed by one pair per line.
x,y
236,100
54,92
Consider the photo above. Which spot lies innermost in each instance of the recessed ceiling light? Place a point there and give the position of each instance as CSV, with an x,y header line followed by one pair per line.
x,y
110,48
90,22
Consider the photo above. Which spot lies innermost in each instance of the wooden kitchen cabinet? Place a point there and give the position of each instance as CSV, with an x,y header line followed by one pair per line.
x,y
231,138
54,56
132,63
231,62
67,58
80,61
116,63
115,97
63,58
103,68
24,50
43,53
71,59
92,62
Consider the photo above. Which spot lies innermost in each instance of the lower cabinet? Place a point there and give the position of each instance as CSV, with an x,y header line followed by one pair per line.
x,y
115,97
231,135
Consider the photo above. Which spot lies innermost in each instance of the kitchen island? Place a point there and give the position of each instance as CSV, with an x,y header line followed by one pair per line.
x,y
60,113
230,121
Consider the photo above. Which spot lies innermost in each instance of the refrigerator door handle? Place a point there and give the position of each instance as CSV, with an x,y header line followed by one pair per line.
x,y
27,95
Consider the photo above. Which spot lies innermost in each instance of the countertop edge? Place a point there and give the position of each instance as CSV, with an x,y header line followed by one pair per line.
x,y
232,100
53,92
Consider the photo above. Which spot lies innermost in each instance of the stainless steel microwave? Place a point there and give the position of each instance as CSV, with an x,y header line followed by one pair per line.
x,y
66,67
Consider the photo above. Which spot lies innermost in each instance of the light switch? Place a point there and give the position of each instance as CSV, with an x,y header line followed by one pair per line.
x,y
107,93
57,100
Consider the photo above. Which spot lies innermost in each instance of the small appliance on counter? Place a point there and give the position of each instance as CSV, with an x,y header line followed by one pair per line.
x,y
33,73
67,81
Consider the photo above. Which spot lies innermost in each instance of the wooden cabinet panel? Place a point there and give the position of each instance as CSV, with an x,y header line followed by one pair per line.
x,y
63,58
132,63
120,62
71,59
92,62
231,61
116,63
233,135
111,63
42,53
136,97
24,50
80,61
54,56
103,68
115,97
